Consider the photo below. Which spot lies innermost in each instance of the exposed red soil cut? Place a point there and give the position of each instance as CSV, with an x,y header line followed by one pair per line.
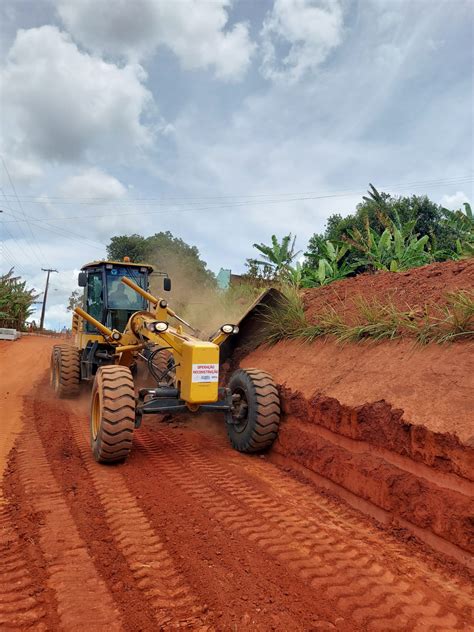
x,y
388,424
414,289
365,465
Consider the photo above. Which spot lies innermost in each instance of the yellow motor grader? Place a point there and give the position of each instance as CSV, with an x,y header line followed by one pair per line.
x,y
122,325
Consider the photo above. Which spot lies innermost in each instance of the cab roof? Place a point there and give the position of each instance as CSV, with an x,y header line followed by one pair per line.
x,y
96,264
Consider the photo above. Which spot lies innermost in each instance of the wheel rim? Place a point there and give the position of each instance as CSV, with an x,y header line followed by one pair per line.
x,y
241,409
95,415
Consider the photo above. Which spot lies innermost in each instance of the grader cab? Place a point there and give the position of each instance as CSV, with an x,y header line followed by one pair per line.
x,y
123,324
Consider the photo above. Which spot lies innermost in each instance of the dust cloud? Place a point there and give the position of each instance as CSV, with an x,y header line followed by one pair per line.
x,y
206,308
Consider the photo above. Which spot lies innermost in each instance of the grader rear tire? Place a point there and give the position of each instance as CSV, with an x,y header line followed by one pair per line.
x,y
257,410
112,414
65,371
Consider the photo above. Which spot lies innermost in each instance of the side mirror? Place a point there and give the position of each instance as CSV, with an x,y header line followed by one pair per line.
x,y
167,284
82,279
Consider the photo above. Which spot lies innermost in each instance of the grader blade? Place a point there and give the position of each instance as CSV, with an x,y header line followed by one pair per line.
x,y
251,327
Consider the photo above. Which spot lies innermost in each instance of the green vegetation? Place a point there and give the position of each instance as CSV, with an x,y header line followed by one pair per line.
x,y
460,224
277,258
396,249
428,219
166,253
373,320
385,233
16,301
328,266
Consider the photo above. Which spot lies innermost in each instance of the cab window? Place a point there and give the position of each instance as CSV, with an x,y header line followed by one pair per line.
x,y
119,295
95,300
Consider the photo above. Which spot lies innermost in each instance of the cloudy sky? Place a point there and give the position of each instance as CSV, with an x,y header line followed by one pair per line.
x,y
222,121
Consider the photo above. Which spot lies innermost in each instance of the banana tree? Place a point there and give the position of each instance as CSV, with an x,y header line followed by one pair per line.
x,y
397,248
278,256
462,224
16,301
329,266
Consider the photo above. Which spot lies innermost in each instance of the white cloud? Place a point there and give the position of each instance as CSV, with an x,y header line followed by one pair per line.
x,y
93,183
194,31
63,105
454,201
310,31
22,170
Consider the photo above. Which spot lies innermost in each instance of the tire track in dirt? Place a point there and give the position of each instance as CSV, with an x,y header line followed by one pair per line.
x,y
22,601
257,471
316,550
460,592
83,600
20,607
149,561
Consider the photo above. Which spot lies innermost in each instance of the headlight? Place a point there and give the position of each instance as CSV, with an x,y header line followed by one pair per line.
x,y
227,329
161,326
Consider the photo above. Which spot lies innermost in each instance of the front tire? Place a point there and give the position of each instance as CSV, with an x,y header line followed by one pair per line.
x,y
256,416
65,371
112,414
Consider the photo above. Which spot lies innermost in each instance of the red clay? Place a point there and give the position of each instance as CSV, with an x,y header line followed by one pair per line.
x,y
190,534
415,289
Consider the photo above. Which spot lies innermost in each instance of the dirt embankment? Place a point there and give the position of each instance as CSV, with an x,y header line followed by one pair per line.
x,y
387,426
414,289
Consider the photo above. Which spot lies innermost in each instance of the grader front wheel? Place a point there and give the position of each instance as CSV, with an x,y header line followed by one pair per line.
x,y
65,371
112,414
256,414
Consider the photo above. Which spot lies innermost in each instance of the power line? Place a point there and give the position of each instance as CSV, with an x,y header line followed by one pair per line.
x,y
206,208
192,209
24,236
21,208
54,229
64,233
13,239
12,260
103,200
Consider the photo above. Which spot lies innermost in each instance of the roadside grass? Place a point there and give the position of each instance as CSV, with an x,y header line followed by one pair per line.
x,y
372,320
287,320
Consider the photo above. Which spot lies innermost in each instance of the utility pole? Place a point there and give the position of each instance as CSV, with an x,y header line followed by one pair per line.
x,y
43,309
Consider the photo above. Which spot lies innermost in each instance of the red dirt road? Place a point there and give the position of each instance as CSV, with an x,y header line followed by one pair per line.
x,y
189,534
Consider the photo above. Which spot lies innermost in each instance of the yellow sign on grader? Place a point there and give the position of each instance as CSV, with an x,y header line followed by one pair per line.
x,y
125,324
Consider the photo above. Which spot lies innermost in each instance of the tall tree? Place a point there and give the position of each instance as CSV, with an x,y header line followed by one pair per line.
x,y
376,208
170,254
134,246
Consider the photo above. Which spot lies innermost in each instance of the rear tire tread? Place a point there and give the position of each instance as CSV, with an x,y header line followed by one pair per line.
x,y
65,370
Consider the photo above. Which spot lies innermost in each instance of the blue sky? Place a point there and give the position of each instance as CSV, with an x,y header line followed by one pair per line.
x,y
223,122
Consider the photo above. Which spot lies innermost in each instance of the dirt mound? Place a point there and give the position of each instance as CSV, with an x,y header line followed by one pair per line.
x,y
414,289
